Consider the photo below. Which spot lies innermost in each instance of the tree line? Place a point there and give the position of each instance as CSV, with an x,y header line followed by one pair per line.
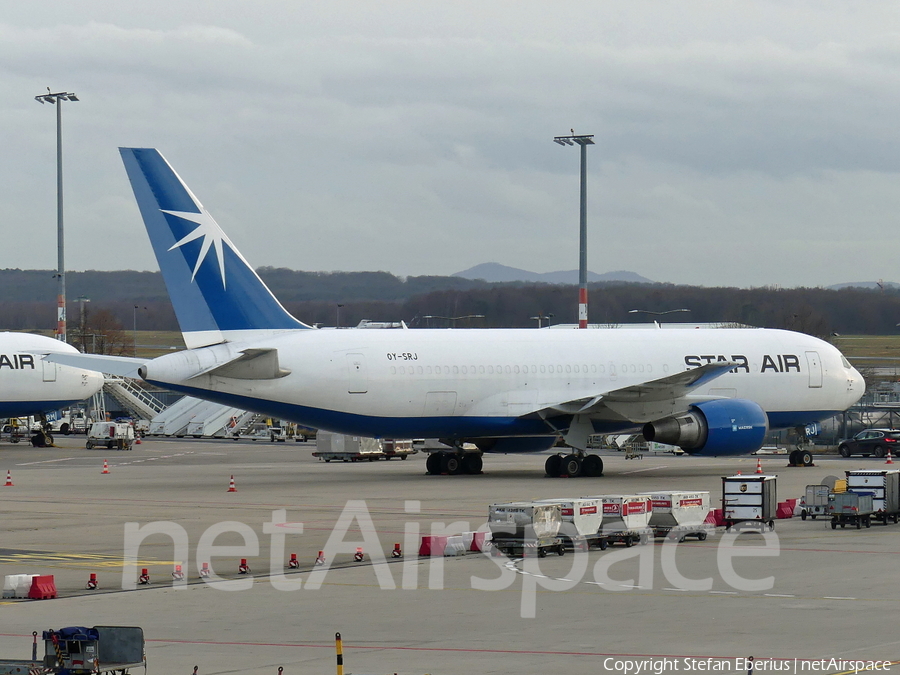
x,y
138,300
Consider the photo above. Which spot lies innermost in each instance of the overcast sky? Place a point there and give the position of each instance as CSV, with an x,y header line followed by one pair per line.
x,y
738,143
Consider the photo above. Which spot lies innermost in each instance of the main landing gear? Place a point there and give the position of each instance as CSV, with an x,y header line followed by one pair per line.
x,y
573,465
453,463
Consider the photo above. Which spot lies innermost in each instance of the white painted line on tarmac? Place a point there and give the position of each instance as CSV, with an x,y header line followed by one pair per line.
x,y
723,592
683,590
778,595
649,468
837,597
571,581
595,583
48,461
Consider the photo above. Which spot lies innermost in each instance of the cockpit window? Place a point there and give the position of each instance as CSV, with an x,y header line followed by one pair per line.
x,y
846,362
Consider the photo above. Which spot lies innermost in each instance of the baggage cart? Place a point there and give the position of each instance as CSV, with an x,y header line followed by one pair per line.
x,y
581,519
83,651
626,518
815,501
749,499
118,435
342,448
519,528
850,508
679,514
884,484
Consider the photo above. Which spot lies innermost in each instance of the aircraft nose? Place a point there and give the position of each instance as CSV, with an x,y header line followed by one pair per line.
x,y
856,386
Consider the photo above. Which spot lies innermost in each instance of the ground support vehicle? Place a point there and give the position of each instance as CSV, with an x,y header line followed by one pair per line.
x,y
749,499
118,435
850,508
581,520
626,518
341,448
82,651
815,501
518,528
884,485
678,514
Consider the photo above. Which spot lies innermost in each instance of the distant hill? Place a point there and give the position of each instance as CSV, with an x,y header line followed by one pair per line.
x,y
497,273
864,284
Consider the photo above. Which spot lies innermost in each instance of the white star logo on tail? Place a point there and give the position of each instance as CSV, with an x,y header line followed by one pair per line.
x,y
212,238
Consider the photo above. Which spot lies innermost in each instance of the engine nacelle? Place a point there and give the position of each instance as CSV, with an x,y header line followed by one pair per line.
x,y
722,427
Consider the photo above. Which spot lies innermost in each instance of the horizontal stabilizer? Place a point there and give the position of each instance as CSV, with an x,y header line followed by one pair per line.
x,y
252,364
123,366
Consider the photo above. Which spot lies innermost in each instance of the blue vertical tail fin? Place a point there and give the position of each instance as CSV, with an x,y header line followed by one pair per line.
x,y
217,296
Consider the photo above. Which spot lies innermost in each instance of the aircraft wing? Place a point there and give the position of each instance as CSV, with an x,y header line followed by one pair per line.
x,y
123,366
652,394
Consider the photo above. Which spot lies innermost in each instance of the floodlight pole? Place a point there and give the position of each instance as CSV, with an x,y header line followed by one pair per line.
x,y
58,98
583,141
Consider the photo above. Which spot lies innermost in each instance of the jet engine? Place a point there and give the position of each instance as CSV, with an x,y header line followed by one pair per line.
x,y
720,427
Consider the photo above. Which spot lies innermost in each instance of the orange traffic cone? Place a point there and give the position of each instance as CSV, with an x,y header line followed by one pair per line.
x,y
105,467
890,460
758,465
231,487
9,482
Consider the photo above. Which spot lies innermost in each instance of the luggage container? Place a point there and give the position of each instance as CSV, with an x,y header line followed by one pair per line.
x,y
749,499
118,435
815,501
678,514
519,528
342,448
581,519
854,508
885,486
626,518
107,650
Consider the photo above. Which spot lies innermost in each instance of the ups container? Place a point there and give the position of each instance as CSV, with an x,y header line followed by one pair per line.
x,y
749,498
884,484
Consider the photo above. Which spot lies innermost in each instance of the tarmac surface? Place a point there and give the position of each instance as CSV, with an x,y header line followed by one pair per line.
x,y
825,594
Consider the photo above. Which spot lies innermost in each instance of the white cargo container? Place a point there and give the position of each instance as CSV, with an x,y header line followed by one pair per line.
x,y
884,484
119,435
678,513
581,522
520,527
343,448
517,520
626,518
749,498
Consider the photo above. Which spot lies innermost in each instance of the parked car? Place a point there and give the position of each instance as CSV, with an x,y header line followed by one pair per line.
x,y
871,442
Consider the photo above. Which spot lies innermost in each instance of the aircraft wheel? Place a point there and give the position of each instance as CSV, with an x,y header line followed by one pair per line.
x,y
571,466
592,466
792,458
805,457
553,466
451,463
433,463
472,463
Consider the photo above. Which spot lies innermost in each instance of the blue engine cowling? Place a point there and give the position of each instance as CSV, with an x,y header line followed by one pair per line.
x,y
722,427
